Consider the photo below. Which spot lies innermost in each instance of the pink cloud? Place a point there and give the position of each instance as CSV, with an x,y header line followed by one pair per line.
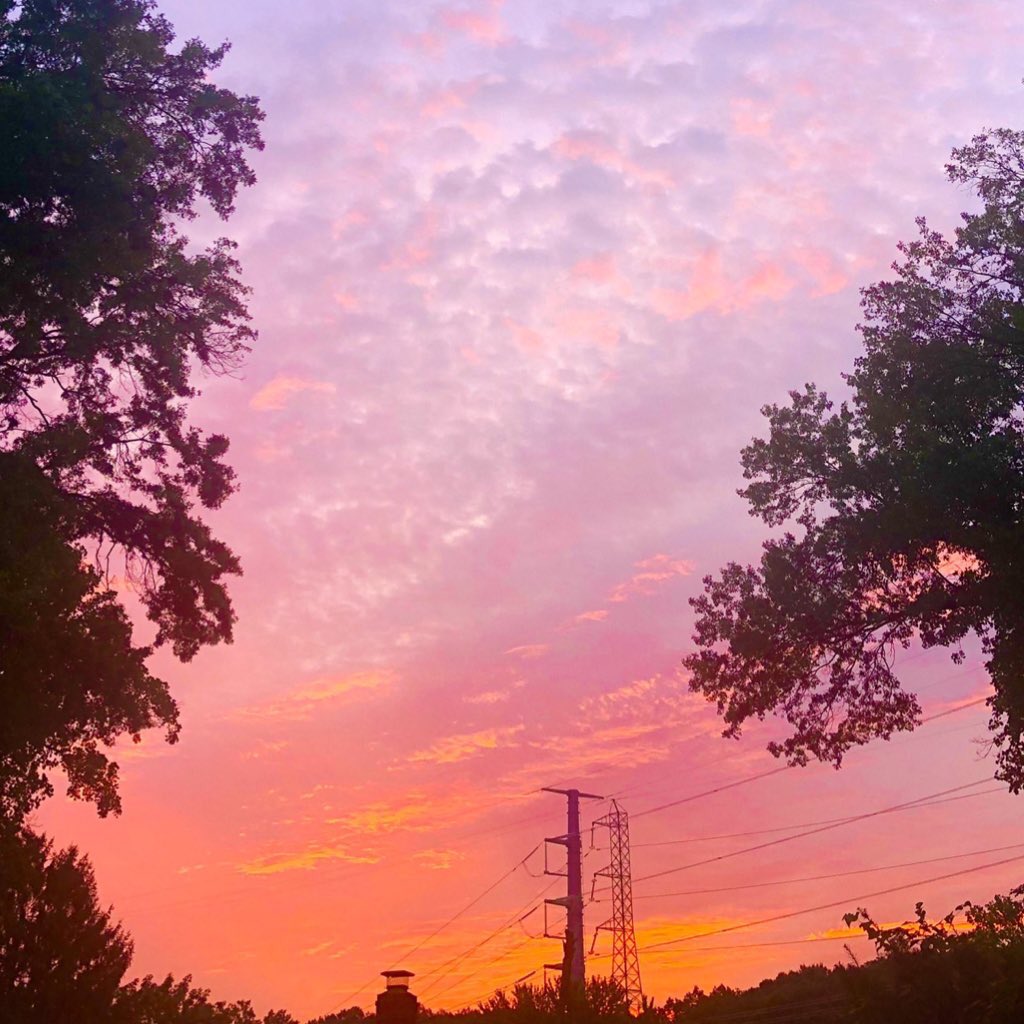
x,y
599,149
652,573
278,392
417,249
525,337
599,269
302,701
707,288
592,325
752,118
529,650
824,269
481,25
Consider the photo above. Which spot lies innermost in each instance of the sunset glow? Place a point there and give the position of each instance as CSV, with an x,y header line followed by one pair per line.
x,y
524,275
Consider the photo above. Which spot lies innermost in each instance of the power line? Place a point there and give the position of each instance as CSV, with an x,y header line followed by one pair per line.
x,y
952,711
760,945
520,915
809,832
828,906
501,956
451,920
928,718
806,824
494,992
783,768
713,791
821,878
517,918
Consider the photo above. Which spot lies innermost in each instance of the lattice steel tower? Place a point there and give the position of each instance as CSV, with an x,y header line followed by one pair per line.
x,y
625,961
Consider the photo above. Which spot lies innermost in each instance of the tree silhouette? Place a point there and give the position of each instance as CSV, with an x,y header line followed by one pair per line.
x,y
112,140
177,1002
61,956
908,500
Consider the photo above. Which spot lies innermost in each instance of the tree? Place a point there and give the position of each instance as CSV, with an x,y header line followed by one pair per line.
x,y
147,1001
61,956
907,500
969,965
112,141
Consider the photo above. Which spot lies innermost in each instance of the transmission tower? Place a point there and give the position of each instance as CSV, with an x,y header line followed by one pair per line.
x,y
572,965
625,961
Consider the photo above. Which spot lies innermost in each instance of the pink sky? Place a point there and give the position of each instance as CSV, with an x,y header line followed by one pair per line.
x,y
524,274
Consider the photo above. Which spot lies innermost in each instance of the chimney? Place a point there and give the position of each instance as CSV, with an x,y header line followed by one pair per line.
x,y
396,1004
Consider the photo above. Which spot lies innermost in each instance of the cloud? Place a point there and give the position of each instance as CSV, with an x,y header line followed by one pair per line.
x,y
529,650
305,860
418,810
482,23
652,573
439,860
488,697
277,393
302,701
463,746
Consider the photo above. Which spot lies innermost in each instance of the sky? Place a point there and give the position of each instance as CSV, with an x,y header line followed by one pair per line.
x,y
524,275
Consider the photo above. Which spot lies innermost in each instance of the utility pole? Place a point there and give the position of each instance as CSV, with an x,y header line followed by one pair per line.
x,y
625,960
572,966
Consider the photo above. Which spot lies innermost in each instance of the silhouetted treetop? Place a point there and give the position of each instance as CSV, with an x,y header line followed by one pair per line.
x,y
908,500
112,141
61,956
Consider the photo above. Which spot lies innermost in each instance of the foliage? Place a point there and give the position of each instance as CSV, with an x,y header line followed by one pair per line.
x,y
944,972
112,141
55,613
177,1002
351,1015
602,1000
61,956
907,497
810,995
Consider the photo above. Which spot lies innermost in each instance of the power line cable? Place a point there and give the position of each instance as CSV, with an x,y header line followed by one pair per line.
x,y
822,878
494,992
520,915
925,720
803,824
808,832
732,947
302,883
712,791
451,920
501,956
779,770
450,966
825,906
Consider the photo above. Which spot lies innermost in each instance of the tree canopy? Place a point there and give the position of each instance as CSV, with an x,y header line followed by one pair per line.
x,y
64,958
61,956
906,500
113,141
